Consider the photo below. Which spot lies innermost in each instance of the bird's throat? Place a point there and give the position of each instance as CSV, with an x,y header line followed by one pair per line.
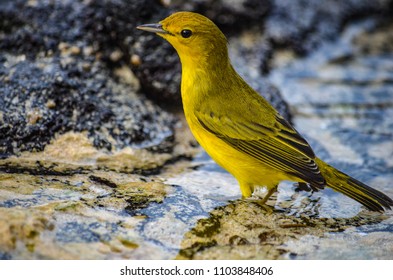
x,y
201,77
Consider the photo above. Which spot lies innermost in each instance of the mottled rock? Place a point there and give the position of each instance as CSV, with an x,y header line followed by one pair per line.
x,y
74,217
63,69
373,241
106,28
52,96
245,230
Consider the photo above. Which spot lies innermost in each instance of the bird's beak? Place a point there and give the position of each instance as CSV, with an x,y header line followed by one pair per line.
x,y
153,27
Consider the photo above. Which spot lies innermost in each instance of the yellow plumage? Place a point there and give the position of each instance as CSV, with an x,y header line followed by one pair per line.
x,y
237,127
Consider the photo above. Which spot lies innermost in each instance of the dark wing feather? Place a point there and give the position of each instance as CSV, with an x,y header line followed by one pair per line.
x,y
279,146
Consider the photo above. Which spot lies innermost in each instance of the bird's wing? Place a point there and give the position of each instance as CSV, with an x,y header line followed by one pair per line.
x,y
279,145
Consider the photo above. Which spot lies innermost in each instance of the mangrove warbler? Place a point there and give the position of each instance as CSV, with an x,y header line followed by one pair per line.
x,y
237,127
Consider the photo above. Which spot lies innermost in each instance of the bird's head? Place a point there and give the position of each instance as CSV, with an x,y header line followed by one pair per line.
x,y
195,37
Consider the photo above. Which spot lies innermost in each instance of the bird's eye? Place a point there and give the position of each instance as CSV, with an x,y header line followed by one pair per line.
x,y
186,33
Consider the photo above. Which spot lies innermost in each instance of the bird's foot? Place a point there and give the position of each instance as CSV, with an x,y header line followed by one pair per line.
x,y
268,208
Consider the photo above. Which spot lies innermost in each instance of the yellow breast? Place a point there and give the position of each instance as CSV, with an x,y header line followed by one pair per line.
x,y
246,169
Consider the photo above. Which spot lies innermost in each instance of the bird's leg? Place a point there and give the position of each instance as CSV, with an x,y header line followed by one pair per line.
x,y
262,202
246,189
269,194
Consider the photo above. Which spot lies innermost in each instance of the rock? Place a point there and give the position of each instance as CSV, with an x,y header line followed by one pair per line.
x,y
75,217
52,96
158,69
63,70
246,230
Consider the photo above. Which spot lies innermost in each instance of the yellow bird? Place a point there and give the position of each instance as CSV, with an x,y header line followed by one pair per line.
x,y
237,127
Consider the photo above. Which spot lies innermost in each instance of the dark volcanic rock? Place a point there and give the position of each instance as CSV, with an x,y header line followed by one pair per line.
x,y
159,69
29,27
47,96
58,65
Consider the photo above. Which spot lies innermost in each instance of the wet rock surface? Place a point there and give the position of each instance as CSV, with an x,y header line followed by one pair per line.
x,y
74,217
92,169
230,233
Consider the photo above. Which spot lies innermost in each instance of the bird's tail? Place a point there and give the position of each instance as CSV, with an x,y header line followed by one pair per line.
x,y
374,200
